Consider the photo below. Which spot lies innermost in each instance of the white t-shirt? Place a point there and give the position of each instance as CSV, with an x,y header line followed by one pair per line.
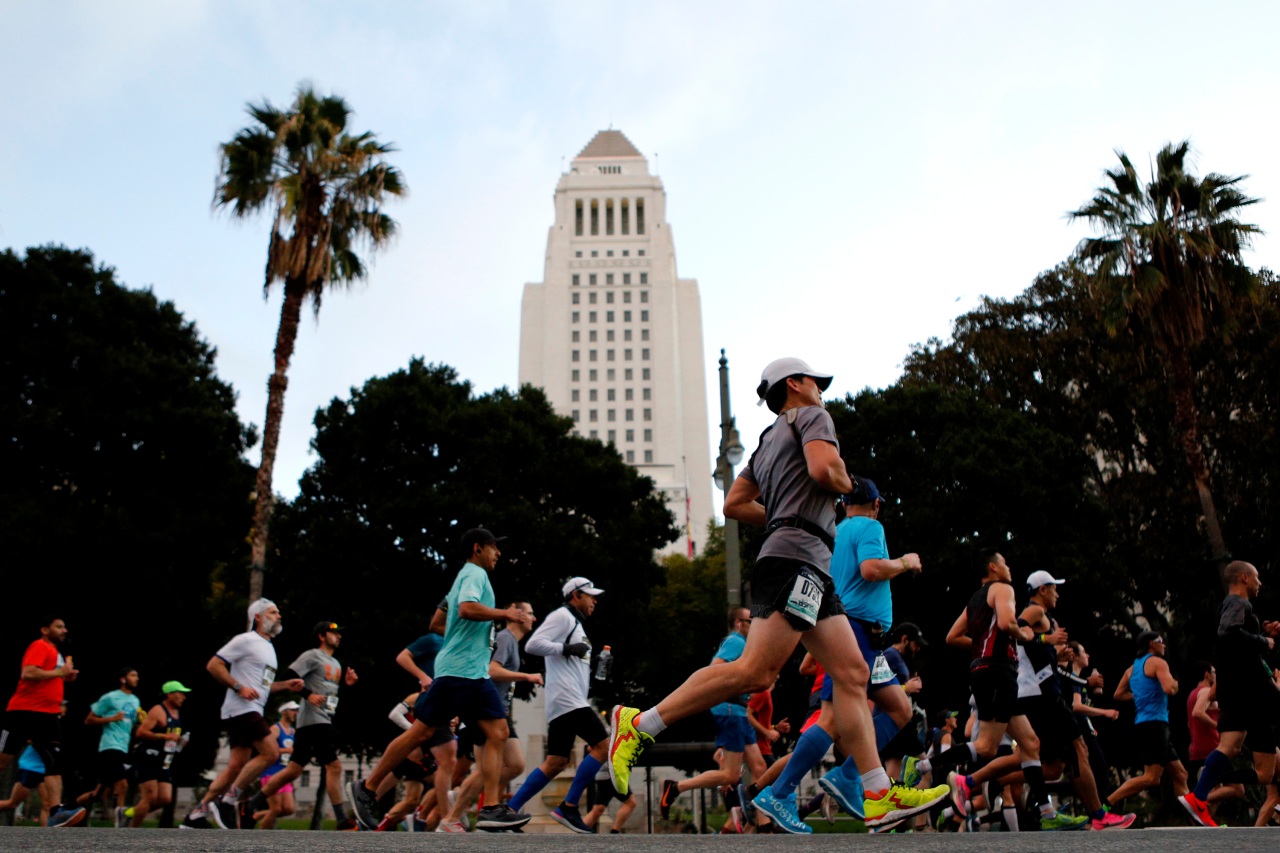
x,y
252,661
567,678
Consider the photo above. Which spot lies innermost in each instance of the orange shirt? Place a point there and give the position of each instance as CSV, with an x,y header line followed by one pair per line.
x,y
42,696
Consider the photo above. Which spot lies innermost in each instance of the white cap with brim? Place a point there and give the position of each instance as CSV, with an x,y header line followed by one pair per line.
x,y
1042,578
290,706
779,369
573,585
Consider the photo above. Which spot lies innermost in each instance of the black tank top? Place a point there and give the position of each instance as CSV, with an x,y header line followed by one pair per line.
x,y
1044,657
992,647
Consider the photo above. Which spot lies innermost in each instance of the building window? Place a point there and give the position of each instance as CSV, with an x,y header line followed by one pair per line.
x,y
626,297
608,277
644,334
626,335
648,435
626,278
644,314
613,414
640,253
626,315
626,355
591,355
609,374
577,254
593,415
576,375
631,435
591,277
631,414
644,279
577,220
592,395
631,394
576,334
626,218
577,279
612,394
576,317
591,336
591,297
644,354
591,316
608,297
647,393
594,253
608,218
627,374
576,415
609,254
648,456
595,433
591,375
610,354
613,436
648,414
575,355
575,299
595,219
644,374
609,335
305,781
625,252
639,216
631,456
575,394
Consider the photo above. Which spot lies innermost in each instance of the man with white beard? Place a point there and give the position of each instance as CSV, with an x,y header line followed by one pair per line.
x,y
246,666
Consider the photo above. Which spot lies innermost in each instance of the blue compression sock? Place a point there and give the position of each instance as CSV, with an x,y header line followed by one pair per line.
x,y
1215,764
585,776
886,729
813,744
536,782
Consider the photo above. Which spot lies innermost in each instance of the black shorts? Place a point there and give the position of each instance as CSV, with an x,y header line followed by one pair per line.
x,y
149,765
469,699
1054,725
246,729
772,582
113,765
314,743
439,737
1255,711
603,791
1152,745
579,723
414,771
43,731
995,692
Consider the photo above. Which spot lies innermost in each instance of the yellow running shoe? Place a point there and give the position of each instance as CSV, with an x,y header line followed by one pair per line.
x,y
901,802
625,745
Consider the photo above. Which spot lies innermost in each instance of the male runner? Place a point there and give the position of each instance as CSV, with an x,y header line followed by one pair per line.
x,y
861,570
246,666
733,728
1148,684
160,738
562,642
462,688
34,714
419,656
321,675
798,472
117,713
1248,700
988,627
280,803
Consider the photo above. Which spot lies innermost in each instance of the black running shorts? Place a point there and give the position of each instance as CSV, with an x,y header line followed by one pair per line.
x,y
772,582
995,692
579,723
314,742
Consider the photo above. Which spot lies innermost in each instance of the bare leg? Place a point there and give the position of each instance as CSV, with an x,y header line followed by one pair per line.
x,y
398,750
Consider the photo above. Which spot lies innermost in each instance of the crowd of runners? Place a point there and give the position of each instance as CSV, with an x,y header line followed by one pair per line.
x,y
1028,735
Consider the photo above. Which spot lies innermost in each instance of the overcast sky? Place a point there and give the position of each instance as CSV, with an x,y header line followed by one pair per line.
x,y
843,179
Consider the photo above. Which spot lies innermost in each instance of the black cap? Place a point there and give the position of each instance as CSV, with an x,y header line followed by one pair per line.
x,y
324,627
478,536
911,631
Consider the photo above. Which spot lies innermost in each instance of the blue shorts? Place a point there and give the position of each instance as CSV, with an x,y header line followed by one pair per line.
x,y
733,733
869,654
469,699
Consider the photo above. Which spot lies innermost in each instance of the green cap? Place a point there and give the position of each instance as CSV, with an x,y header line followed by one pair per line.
x,y
173,687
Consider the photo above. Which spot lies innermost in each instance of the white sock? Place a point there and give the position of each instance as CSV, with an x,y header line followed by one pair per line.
x,y
875,780
650,722
924,766
1010,816
232,795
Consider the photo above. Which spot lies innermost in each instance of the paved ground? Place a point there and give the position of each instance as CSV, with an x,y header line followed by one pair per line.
x,y
13,840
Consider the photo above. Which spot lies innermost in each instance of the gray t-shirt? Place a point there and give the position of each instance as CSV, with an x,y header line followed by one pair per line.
x,y
320,672
779,470
506,654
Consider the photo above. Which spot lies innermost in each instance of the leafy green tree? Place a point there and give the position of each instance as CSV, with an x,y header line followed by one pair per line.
x,y
406,464
124,489
325,189
1168,268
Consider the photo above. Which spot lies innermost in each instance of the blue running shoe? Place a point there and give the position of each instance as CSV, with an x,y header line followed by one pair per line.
x,y
847,792
783,813
911,775
748,810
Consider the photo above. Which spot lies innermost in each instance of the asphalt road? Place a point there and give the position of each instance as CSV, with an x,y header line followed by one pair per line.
x,y
13,840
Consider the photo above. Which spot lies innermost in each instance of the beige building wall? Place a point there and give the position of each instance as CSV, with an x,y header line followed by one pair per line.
x,y
614,335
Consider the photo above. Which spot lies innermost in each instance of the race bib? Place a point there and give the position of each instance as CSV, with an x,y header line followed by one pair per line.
x,y
331,703
268,676
805,598
880,671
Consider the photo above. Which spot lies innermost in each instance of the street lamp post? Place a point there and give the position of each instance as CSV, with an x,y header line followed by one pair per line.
x,y
730,456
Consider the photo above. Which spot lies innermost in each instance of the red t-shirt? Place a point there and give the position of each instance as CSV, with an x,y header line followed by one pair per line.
x,y
43,696
1204,738
761,707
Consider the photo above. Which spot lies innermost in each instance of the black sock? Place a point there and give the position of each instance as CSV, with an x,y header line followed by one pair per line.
x,y
1034,774
957,756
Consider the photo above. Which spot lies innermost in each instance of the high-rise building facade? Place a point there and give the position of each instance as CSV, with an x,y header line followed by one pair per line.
x,y
614,336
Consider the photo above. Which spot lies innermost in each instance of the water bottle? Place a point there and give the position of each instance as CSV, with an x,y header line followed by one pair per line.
x,y
603,664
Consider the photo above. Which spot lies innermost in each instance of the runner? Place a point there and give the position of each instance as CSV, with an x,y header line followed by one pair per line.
x,y
602,793
280,803
117,713
160,738
1202,724
246,666
760,715
462,687
1148,684
1082,680
34,715
562,642
797,471
321,675
1247,697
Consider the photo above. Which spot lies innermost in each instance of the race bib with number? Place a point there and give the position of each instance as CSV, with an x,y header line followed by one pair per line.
x,y
268,676
805,598
331,703
881,673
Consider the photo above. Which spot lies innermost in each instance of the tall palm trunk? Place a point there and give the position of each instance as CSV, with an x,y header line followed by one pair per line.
x,y
1182,388
286,337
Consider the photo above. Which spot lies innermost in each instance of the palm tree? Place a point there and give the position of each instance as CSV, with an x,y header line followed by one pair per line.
x,y
325,189
1168,268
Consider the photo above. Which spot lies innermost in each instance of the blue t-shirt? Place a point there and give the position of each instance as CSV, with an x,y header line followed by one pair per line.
x,y
860,538
467,643
118,734
730,650
899,666
424,650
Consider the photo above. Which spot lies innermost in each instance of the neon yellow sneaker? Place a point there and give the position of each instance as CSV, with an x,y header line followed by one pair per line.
x,y
625,745
901,802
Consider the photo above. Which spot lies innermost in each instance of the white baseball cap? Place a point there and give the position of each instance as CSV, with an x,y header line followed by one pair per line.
x,y
290,706
1042,578
779,369
573,585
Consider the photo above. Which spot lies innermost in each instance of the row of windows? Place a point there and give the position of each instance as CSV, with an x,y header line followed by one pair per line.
x,y
626,253
594,278
611,375
623,209
593,415
608,335
630,454
609,316
609,355
611,394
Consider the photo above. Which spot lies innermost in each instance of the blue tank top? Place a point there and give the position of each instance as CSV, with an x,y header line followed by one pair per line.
x,y
284,740
1149,699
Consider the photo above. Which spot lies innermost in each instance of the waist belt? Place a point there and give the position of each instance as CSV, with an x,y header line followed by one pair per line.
x,y
801,524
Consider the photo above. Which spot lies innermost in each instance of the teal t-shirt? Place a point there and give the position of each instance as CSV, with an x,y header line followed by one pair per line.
x,y
467,643
860,538
118,734
730,650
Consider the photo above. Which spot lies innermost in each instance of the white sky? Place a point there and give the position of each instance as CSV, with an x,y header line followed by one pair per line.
x,y
843,179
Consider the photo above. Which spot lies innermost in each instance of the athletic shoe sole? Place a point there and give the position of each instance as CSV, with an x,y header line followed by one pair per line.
x,y
888,827
902,814
566,823
1191,810
833,791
